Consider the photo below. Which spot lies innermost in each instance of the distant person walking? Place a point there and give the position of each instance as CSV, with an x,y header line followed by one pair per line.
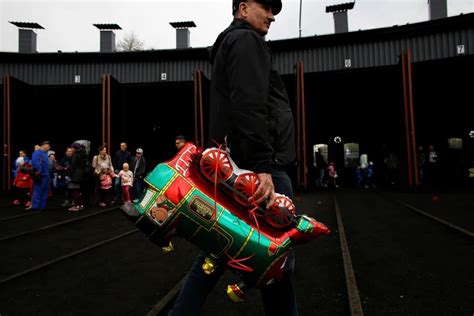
x,y
432,172
421,161
363,164
321,166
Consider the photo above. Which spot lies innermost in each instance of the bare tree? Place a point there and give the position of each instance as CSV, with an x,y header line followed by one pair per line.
x,y
130,42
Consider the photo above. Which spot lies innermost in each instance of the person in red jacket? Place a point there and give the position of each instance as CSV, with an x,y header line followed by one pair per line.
x,y
23,184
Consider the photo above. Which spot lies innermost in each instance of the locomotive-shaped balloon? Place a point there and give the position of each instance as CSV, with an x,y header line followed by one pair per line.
x,y
203,197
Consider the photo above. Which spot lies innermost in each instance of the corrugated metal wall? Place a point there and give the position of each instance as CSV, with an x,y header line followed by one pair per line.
x,y
376,54
366,54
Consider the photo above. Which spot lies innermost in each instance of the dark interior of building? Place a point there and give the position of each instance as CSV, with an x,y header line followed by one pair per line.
x,y
361,106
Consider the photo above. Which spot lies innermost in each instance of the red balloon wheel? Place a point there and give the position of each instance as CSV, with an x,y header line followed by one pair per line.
x,y
287,203
244,187
223,168
279,216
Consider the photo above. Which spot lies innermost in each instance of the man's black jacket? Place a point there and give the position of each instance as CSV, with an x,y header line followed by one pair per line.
x,y
249,103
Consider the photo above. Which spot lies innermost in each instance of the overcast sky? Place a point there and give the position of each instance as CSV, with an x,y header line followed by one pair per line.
x,y
68,23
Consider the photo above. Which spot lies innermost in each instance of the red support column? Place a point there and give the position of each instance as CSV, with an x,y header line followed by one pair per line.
x,y
103,109
201,114
196,136
6,178
412,119
108,113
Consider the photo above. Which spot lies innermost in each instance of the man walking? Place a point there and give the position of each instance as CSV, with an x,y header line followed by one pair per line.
x,y
250,113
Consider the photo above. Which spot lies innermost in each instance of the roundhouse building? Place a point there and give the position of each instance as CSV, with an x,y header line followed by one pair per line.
x,y
376,91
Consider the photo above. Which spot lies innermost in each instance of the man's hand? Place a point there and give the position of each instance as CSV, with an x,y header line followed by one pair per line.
x,y
265,190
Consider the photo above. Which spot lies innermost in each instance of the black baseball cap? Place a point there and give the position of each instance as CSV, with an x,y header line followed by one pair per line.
x,y
275,4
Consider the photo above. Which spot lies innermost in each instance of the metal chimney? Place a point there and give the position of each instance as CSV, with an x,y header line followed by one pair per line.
x,y
107,37
341,24
438,9
26,36
182,33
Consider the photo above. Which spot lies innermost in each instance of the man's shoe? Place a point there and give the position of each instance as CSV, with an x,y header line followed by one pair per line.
x,y
29,207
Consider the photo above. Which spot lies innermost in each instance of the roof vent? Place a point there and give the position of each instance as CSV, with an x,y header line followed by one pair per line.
x,y
438,9
341,24
182,33
107,37
26,36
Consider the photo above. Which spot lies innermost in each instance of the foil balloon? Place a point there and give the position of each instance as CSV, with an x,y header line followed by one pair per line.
x,y
204,198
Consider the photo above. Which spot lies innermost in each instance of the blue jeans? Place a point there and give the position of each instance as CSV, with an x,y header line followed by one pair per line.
x,y
320,177
137,188
278,298
117,187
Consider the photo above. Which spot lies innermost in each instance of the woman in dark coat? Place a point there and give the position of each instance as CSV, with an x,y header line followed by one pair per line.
x,y
77,173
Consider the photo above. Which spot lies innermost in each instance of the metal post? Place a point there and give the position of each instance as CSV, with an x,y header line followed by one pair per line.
x,y
303,130
298,124
407,128
301,10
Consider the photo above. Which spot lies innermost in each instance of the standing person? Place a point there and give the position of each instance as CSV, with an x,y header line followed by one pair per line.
x,y
332,175
250,113
103,158
22,158
64,175
138,167
19,162
432,172
121,156
371,175
363,164
126,181
40,163
421,161
23,183
106,180
180,140
393,166
78,174
321,166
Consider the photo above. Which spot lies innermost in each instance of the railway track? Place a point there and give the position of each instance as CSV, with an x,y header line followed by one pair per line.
x,y
382,258
46,227
29,251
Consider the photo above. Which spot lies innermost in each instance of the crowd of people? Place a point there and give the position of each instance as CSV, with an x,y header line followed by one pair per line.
x,y
102,180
